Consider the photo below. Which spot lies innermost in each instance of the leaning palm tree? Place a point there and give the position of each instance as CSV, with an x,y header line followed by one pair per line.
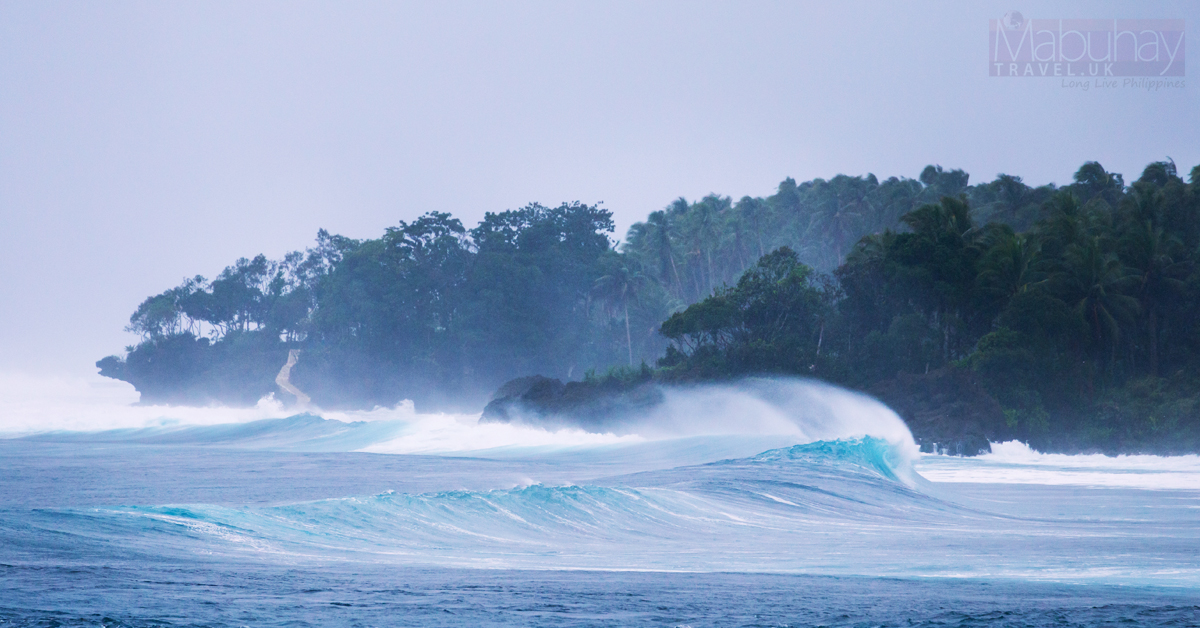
x,y
755,214
617,287
841,209
659,234
709,219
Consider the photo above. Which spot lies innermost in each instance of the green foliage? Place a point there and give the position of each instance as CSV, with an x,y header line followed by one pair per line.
x,y
182,368
429,311
773,320
619,376
1069,324
1074,307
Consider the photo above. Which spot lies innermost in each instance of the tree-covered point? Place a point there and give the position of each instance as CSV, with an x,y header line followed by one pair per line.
x,y
1074,306
1084,327
429,311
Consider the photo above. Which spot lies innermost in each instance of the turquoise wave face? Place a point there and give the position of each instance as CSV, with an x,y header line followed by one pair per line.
x,y
715,482
650,520
867,452
830,507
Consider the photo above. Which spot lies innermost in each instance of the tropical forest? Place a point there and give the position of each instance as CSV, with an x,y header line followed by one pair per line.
x,y
1066,316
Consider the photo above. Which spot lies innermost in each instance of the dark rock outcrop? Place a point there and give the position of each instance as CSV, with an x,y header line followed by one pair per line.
x,y
946,410
607,406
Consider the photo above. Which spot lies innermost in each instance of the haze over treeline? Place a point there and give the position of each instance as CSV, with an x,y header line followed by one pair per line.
x,y
144,142
1053,297
432,309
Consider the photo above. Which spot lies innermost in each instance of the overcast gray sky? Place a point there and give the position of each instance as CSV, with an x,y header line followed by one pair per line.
x,y
144,142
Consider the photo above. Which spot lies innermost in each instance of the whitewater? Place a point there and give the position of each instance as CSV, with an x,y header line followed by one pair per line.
x,y
766,502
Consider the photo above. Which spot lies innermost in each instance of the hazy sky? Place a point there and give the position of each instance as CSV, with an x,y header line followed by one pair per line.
x,y
144,142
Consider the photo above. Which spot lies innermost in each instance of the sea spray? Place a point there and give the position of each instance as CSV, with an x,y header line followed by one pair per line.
x,y
1014,462
755,476
693,424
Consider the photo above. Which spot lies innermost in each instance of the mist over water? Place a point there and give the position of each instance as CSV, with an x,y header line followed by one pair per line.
x,y
783,412
760,476
32,404
427,200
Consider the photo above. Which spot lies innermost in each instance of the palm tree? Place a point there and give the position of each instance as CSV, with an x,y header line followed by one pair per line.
x,y
616,287
707,214
951,216
659,232
1153,256
947,230
839,218
1065,221
1159,276
1008,265
1097,282
754,213
1093,181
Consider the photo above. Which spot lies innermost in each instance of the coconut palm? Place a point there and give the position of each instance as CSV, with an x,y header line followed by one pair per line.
x,y
1097,283
1008,265
616,287
951,216
1154,256
659,233
841,205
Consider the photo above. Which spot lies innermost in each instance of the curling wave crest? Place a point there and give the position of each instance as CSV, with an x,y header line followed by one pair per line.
x,y
775,511
761,476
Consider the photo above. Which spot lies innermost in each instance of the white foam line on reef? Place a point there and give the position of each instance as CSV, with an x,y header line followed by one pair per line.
x,y
449,433
1016,463
31,405
1016,452
34,404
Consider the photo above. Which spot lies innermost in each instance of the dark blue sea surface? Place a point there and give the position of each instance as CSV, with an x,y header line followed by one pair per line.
x,y
217,593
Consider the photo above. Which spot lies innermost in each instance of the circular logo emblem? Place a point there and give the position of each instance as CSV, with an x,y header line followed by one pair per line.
x,y
1013,20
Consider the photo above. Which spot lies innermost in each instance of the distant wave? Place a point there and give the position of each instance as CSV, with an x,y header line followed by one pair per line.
x,y
31,404
1014,462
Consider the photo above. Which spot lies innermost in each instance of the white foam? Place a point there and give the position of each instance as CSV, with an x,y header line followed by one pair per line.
x,y
32,404
1016,452
782,411
464,433
1014,462
804,410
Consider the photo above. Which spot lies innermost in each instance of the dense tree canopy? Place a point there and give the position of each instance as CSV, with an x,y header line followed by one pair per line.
x,y
429,310
1085,324
1056,298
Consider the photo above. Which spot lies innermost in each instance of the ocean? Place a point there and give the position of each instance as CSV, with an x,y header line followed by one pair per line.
x,y
771,503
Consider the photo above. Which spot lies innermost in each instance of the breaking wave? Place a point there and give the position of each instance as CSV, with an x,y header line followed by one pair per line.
x,y
695,424
763,475
749,513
